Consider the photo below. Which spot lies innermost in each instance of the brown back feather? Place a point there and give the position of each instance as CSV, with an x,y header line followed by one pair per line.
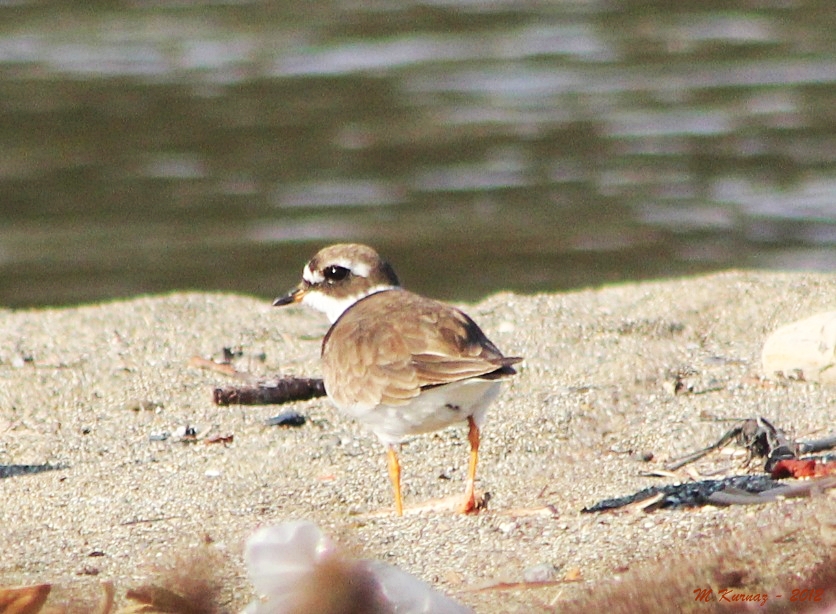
x,y
433,344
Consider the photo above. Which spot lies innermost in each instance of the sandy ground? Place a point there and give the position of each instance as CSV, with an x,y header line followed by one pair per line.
x,y
84,389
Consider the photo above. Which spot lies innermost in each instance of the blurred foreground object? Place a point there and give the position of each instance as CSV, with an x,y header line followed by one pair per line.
x,y
296,569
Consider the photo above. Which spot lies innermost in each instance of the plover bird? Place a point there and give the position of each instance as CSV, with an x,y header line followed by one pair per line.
x,y
399,363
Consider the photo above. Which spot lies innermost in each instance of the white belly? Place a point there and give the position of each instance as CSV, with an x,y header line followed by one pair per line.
x,y
433,410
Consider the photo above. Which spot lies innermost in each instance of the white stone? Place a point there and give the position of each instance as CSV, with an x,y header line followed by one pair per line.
x,y
804,349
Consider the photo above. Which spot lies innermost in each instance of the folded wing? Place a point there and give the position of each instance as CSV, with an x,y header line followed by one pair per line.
x,y
403,343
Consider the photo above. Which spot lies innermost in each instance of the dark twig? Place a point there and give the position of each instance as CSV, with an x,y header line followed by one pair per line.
x,y
9,471
758,435
689,494
761,439
816,445
285,390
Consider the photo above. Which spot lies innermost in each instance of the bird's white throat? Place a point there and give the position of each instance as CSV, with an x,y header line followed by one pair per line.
x,y
332,306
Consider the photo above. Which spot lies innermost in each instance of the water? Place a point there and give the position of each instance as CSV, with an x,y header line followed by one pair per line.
x,y
480,145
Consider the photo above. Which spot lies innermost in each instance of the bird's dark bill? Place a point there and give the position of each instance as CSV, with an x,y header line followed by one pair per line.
x,y
293,297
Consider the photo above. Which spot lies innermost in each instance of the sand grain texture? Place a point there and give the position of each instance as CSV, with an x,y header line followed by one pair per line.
x,y
82,389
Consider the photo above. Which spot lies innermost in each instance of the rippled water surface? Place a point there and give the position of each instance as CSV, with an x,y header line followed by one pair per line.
x,y
479,145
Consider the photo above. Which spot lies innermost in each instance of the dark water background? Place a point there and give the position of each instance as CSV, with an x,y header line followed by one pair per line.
x,y
480,145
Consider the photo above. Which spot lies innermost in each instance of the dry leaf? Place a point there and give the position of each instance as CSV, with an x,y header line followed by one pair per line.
x,y
203,363
160,600
573,574
23,599
802,468
106,602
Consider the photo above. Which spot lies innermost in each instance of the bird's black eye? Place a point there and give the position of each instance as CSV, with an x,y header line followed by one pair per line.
x,y
335,273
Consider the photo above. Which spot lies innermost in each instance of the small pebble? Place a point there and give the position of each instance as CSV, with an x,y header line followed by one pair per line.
x,y
185,432
540,573
506,327
287,418
138,405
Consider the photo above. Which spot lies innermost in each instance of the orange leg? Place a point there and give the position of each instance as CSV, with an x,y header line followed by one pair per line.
x,y
395,476
469,503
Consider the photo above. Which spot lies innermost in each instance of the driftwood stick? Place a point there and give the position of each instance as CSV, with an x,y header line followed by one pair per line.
x,y
817,445
285,390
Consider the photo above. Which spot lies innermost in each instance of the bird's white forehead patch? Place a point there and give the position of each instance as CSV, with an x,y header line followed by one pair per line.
x,y
312,277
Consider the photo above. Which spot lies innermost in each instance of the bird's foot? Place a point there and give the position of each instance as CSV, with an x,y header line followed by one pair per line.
x,y
473,503
450,504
